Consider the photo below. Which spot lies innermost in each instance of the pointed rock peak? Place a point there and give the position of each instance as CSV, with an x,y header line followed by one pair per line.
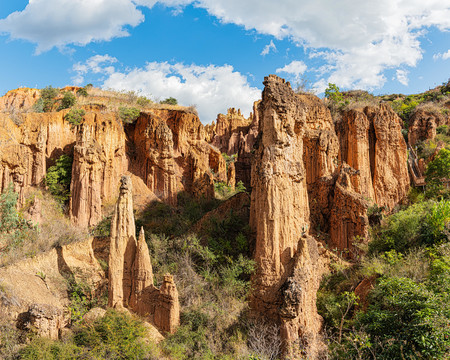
x,y
126,185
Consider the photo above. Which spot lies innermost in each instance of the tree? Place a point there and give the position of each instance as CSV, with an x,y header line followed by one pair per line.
x,y
128,114
58,178
68,100
48,95
169,101
439,168
333,93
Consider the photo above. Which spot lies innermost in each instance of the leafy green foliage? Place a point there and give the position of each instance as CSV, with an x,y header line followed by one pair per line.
x,y
169,101
439,168
82,91
48,95
128,114
408,319
143,101
115,336
333,93
58,178
13,228
103,228
67,101
75,116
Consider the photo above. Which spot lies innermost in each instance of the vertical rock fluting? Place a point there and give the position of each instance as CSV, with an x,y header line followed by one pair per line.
x,y
130,270
280,215
167,313
372,143
423,124
142,274
348,220
123,248
99,160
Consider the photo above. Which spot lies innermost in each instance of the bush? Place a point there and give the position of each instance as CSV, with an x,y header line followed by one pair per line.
x,y
48,95
406,319
67,101
332,93
143,101
82,92
128,115
58,178
169,101
75,116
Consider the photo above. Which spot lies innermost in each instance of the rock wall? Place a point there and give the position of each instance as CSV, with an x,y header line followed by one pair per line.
x,y
280,214
423,124
372,143
348,220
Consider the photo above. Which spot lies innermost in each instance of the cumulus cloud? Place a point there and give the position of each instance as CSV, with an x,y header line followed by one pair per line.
x,y
57,23
98,64
402,76
295,68
268,48
211,88
443,56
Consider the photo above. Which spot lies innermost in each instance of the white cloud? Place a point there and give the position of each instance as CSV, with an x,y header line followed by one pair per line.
x,y
98,64
360,39
211,88
57,23
268,48
443,56
295,68
402,76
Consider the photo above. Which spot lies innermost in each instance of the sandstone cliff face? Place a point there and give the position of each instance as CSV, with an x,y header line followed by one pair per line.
x,y
348,218
27,148
372,143
19,99
170,154
423,125
130,270
98,161
233,134
280,215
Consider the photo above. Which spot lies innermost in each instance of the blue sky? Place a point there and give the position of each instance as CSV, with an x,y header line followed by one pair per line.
x,y
215,53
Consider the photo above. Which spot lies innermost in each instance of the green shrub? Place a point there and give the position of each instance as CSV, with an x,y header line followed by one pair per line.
x,y
82,92
75,116
128,115
48,95
439,168
58,178
103,228
45,349
143,101
169,101
406,319
68,100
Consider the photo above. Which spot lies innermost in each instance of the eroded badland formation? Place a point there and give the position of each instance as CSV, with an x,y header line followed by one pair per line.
x,y
308,175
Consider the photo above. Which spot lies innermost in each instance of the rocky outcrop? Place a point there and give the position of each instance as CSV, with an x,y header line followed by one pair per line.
x,y
229,130
171,155
348,220
167,312
123,248
372,143
423,124
130,270
233,134
19,99
46,320
280,216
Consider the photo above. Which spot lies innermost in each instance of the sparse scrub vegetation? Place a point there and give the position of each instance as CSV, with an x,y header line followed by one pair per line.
x,y
128,114
58,178
75,116
169,101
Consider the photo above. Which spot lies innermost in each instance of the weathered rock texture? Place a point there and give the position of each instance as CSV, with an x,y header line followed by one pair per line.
x,y
233,134
170,154
348,221
46,320
423,124
280,215
165,148
372,143
130,270
123,248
